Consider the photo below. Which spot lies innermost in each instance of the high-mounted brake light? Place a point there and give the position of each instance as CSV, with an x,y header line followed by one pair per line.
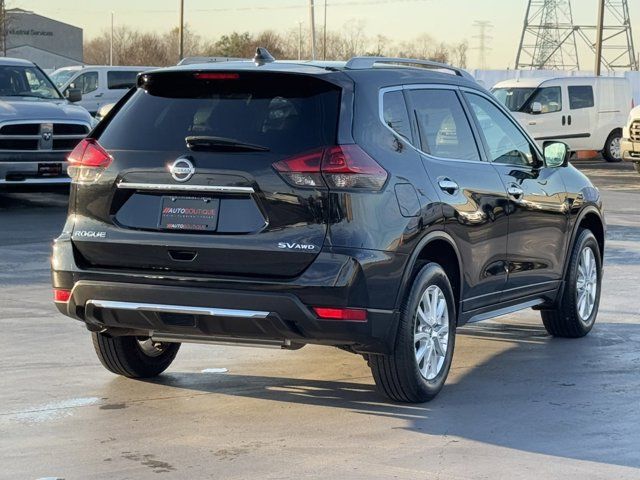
x,y
216,76
60,295
341,167
343,314
87,161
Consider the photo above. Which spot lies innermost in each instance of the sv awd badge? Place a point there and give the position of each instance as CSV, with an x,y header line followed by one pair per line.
x,y
296,246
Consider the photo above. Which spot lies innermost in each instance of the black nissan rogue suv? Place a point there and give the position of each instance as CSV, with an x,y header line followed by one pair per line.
x,y
372,205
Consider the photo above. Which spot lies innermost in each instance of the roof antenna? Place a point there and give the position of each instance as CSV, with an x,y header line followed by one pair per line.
x,y
262,56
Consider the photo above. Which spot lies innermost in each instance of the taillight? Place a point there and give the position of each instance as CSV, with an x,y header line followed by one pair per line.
x,y
343,314
60,295
341,167
87,161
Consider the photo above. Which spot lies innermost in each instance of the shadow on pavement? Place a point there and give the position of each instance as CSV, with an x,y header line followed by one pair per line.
x,y
576,399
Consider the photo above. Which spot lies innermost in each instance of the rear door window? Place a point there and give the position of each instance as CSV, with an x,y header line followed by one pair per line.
x,y
444,128
121,79
395,114
581,96
282,112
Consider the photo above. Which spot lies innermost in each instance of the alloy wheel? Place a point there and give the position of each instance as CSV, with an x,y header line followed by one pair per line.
x,y
431,335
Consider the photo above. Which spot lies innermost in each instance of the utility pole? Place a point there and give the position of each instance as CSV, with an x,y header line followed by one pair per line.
x,y
599,36
312,21
3,12
324,35
111,43
181,32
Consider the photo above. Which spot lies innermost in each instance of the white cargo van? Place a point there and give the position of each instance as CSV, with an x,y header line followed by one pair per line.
x,y
587,113
98,84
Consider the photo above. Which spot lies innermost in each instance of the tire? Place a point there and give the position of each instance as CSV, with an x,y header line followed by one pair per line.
x,y
610,153
568,320
133,357
637,166
398,376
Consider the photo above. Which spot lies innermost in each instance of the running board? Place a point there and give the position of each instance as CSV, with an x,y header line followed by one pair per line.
x,y
213,340
506,310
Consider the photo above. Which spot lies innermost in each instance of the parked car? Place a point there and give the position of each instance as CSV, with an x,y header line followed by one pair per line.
x,y
100,85
38,126
587,113
282,203
630,145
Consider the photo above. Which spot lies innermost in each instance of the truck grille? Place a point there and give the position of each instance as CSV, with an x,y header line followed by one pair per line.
x,y
635,131
41,136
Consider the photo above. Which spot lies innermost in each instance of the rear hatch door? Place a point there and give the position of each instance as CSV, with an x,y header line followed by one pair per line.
x,y
191,186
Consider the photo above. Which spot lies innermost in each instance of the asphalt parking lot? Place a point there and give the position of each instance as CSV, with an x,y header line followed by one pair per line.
x,y
518,404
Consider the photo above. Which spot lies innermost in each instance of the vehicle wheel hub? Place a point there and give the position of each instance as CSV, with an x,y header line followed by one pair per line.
x,y
431,336
586,284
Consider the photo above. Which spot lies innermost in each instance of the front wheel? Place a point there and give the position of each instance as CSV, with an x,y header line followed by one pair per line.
x,y
577,309
419,365
612,151
134,357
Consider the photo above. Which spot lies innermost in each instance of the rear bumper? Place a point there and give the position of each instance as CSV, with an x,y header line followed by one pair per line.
x,y
238,310
25,168
630,150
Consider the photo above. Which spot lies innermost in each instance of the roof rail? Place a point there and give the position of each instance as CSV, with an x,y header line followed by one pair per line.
x,y
360,63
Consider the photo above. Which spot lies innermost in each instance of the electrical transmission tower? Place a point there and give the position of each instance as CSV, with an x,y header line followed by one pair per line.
x,y
483,39
548,37
618,50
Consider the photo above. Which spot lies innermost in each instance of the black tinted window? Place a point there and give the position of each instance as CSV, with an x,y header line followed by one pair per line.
x,y
395,113
285,113
581,97
444,128
121,80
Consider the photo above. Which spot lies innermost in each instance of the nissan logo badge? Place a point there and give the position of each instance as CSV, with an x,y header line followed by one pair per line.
x,y
182,170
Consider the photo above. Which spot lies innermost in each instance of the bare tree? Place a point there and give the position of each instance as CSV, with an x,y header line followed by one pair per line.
x,y
459,53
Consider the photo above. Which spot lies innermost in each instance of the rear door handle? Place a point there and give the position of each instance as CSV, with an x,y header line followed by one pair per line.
x,y
515,192
569,119
448,186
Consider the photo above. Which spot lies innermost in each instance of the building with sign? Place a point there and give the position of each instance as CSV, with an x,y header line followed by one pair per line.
x,y
49,43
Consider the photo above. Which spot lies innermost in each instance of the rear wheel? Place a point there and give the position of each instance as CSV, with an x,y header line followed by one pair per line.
x,y
134,357
577,309
419,365
612,151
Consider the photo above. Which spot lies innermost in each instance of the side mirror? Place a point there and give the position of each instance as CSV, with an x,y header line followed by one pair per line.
x,y
73,94
556,154
536,108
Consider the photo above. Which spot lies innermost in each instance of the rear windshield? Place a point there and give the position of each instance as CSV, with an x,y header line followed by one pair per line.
x,y
282,112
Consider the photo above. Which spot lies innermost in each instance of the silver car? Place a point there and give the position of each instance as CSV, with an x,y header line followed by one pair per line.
x,y
38,126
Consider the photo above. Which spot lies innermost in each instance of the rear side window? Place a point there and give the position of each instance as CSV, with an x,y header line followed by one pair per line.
x,y
581,97
395,113
121,80
444,129
286,113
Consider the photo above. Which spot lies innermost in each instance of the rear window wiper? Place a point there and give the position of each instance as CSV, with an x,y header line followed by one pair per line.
x,y
221,144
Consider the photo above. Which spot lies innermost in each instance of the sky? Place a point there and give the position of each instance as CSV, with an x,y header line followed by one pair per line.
x,y
450,21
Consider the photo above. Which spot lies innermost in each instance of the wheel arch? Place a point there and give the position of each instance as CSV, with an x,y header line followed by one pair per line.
x,y
591,219
439,247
